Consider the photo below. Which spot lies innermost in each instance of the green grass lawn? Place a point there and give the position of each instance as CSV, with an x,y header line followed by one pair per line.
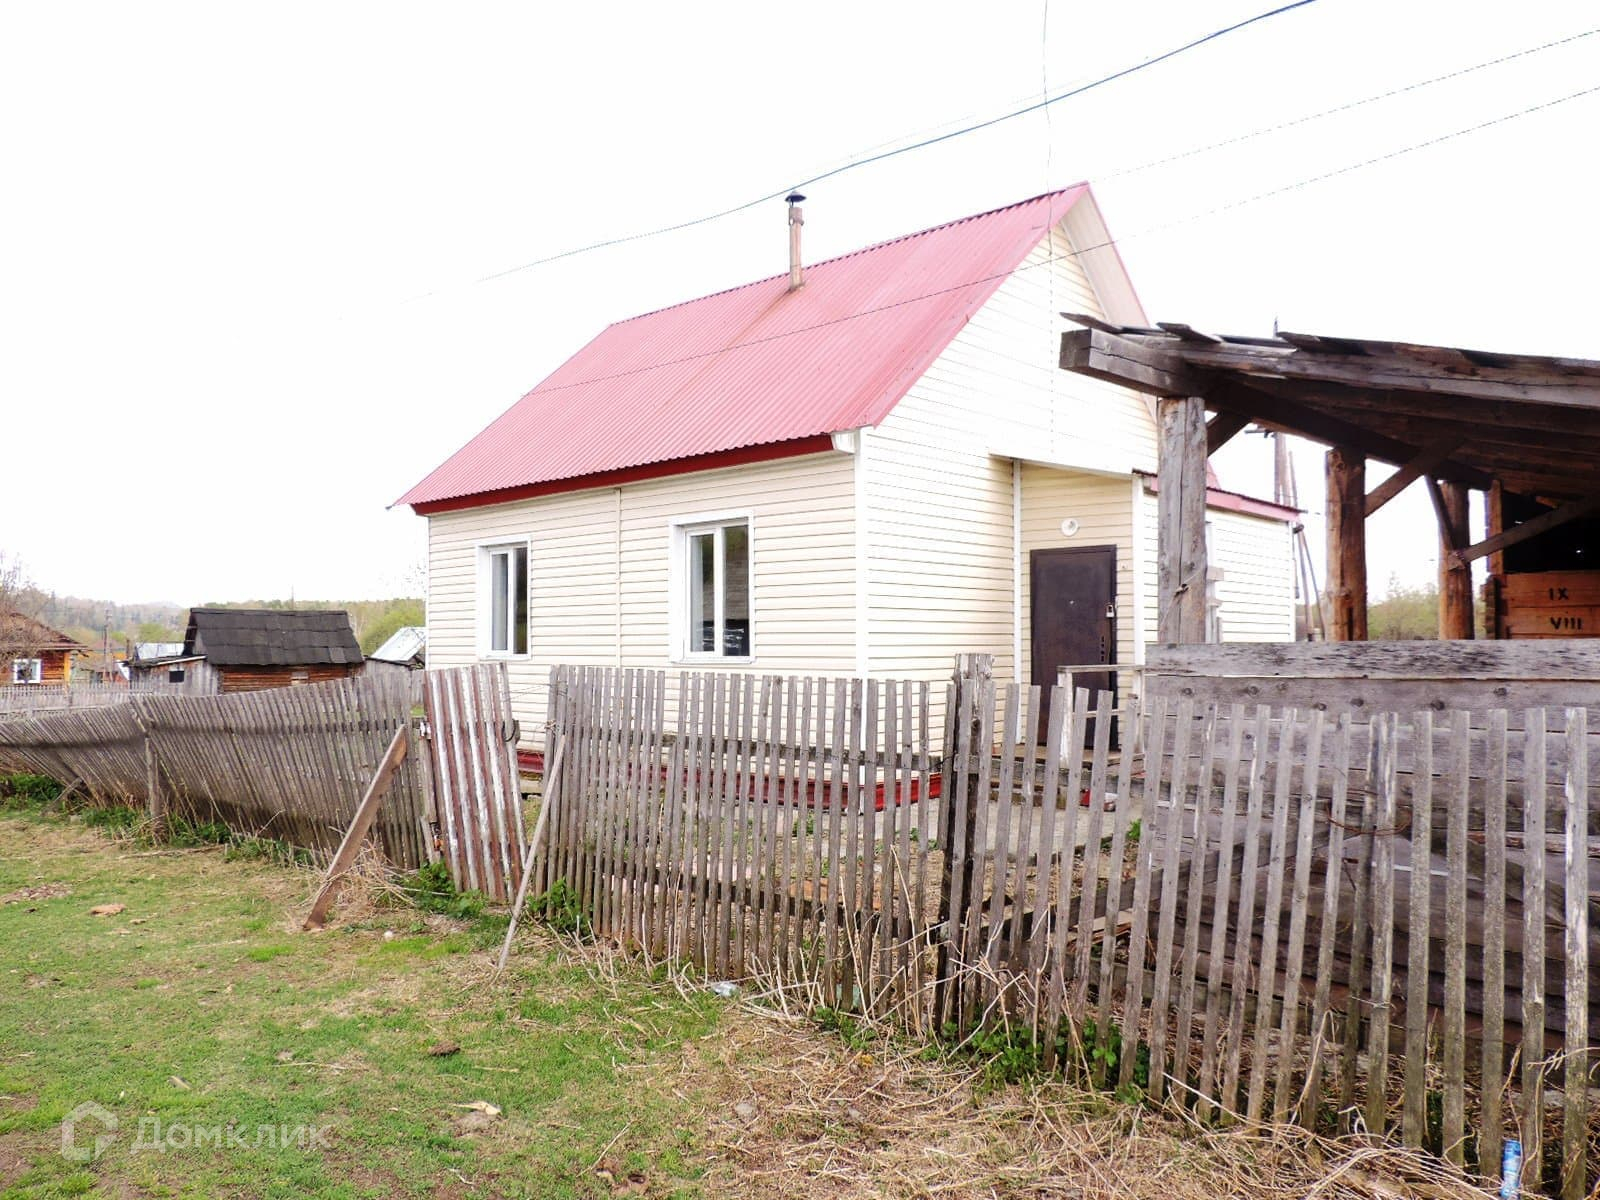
x,y
201,1007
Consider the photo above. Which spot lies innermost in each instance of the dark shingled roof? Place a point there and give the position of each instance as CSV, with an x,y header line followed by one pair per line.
x,y
268,637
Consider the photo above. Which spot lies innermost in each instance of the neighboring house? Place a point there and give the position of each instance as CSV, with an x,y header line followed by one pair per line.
x,y
406,647
164,665
861,475
247,649
31,652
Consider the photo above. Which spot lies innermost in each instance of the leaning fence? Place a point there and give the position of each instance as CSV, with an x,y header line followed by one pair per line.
x,y
1224,914
289,763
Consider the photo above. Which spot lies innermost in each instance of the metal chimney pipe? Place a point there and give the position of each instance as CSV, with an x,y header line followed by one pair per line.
x,y
797,220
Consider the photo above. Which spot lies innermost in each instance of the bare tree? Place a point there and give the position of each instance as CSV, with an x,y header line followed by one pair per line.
x,y
22,636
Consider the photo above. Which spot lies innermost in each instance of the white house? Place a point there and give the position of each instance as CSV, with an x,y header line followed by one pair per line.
x,y
862,474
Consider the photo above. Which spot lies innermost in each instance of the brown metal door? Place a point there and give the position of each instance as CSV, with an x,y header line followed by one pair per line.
x,y
1074,618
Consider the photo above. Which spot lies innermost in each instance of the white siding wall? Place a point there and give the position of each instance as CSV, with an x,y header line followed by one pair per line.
x,y
1256,557
939,500
582,611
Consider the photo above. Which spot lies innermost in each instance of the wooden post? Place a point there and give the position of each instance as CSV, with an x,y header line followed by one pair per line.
x,y
159,820
1181,520
1347,544
1455,582
345,857
1494,522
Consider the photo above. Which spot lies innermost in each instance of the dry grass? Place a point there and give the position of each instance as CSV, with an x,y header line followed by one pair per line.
x,y
791,1110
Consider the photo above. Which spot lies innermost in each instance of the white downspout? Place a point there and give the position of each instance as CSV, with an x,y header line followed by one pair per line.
x,y
863,557
1016,570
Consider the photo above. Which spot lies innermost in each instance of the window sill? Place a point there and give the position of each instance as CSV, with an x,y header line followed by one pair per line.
x,y
501,656
715,660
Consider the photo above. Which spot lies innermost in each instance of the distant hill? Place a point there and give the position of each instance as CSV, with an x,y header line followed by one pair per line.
x,y
88,620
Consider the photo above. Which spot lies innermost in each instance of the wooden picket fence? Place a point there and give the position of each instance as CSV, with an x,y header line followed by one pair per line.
x,y
1222,915
287,763
25,698
472,743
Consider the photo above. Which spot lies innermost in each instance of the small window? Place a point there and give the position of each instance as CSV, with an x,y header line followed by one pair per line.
x,y
507,600
27,670
175,675
717,571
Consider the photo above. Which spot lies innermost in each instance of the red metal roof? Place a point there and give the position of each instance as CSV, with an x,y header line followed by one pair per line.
x,y
755,367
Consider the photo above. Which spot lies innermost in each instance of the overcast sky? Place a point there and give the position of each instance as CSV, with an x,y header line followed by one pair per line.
x,y
238,303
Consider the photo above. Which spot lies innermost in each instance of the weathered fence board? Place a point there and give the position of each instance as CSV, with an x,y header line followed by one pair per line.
x,y
1276,911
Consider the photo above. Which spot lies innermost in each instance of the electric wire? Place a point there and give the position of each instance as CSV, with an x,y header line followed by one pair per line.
x,y
1080,251
884,155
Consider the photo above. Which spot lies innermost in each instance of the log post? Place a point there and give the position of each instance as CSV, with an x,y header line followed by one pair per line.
x,y
156,798
1181,520
1455,581
1347,544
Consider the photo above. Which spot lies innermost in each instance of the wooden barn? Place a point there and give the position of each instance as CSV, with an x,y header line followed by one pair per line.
x,y
34,653
247,649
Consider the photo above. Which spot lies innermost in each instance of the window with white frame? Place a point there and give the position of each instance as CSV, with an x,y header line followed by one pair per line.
x,y
716,576
27,670
504,597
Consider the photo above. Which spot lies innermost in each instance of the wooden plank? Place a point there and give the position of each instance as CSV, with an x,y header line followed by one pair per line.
x,y
1199,829
1414,1114
1455,951
1209,1084
1054,932
1093,833
1299,905
1321,1030
1267,967
1116,359
1493,1075
1255,804
1166,829
1455,583
1494,661
360,824
1551,589
1360,945
1155,741
1114,891
1533,949
1575,1085
1382,997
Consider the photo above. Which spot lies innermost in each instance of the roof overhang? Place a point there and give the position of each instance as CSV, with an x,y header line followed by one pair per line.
x,y
743,456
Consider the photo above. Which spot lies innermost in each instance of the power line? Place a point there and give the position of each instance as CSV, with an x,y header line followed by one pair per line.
x,y
1077,253
888,154
1347,107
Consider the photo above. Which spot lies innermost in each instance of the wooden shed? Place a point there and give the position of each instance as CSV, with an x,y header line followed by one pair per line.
x,y
34,653
247,649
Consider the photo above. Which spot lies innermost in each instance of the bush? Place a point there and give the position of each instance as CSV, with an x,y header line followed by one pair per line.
x,y
22,791
432,890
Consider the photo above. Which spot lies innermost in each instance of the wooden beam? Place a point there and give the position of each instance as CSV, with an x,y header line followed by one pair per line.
x,y
1220,430
1116,359
360,824
1455,587
1268,408
1375,368
1276,404
1528,529
1431,457
1181,521
1347,544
